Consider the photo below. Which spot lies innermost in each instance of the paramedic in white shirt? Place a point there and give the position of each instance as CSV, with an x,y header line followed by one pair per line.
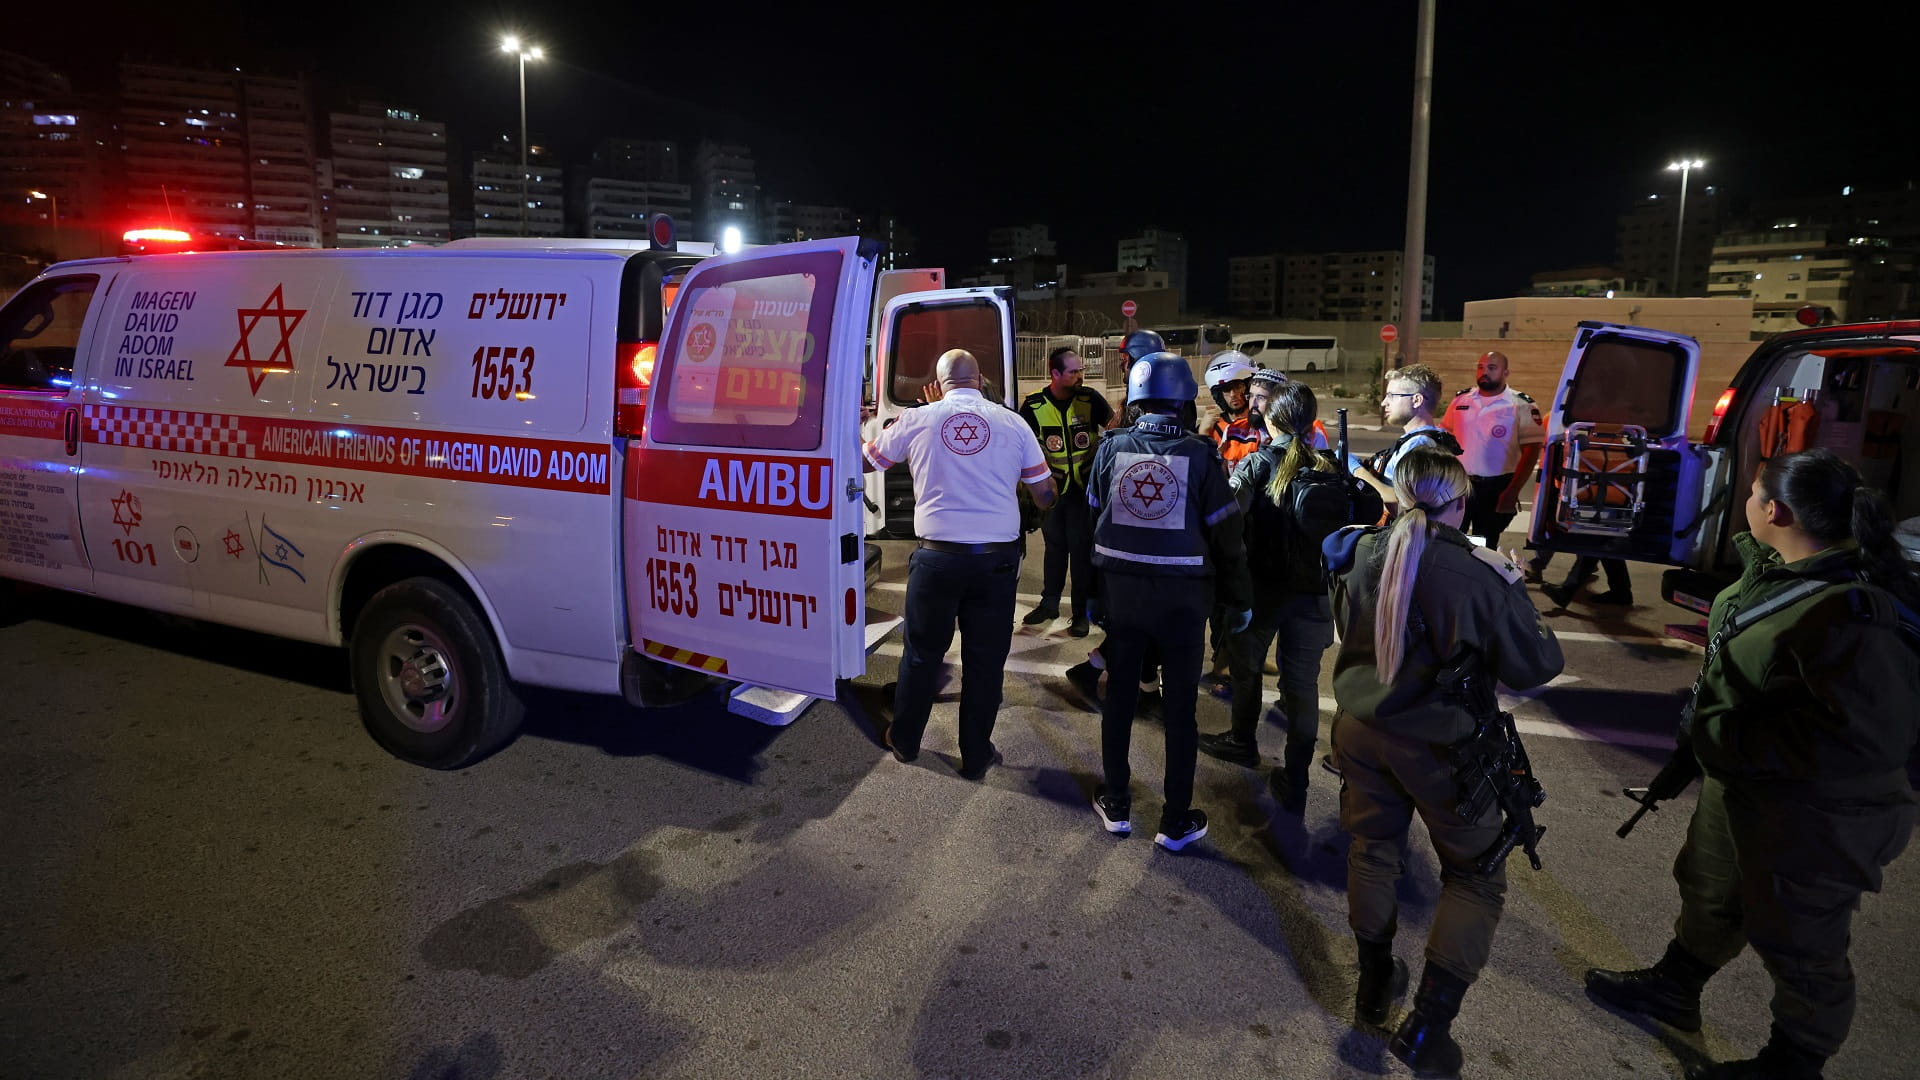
x,y
968,456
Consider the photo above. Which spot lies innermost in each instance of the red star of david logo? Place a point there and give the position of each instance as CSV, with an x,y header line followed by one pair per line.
x,y
280,358
1147,489
232,541
126,512
966,433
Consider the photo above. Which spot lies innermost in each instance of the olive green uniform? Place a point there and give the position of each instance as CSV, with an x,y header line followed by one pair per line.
x,y
1803,725
1389,739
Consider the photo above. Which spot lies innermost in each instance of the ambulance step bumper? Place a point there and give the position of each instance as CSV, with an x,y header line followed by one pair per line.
x,y
775,708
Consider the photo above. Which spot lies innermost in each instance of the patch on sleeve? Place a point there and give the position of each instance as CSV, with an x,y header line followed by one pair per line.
x,y
1502,565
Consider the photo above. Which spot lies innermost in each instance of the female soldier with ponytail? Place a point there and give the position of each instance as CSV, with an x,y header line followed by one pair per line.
x,y
1289,595
1407,599
1803,721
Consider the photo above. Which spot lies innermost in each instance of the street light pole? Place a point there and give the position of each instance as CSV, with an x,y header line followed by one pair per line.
x,y
512,44
1414,253
1684,166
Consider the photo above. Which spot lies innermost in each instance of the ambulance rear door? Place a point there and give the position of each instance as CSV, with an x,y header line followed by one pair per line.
x,y
742,511
1618,477
877,410
915,328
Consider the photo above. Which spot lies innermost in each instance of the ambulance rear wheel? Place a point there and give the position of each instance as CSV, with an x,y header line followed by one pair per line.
x,y
433,689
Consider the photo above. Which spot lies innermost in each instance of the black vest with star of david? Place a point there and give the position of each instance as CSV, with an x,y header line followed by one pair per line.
x,y
1154,487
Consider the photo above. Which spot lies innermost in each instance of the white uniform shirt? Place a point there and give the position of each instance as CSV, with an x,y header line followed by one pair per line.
x,y
966,454
1492,428
1409,447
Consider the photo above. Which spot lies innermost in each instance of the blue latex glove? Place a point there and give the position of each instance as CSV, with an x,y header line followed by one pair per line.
x,y
1238,621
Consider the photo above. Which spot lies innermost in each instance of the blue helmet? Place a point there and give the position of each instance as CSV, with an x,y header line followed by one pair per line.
x,y
1142,343
1161,376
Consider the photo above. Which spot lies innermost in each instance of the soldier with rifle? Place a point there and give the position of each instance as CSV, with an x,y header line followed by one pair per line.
x,y
1418,732
1802,722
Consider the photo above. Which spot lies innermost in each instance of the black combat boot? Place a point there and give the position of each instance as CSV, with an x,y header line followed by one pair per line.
x,y
1669,991
1383,979
1289,784
1425,1039
1780,1059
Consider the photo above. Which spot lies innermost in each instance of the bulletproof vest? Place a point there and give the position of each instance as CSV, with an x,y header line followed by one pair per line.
x,y
1067,439
1151,519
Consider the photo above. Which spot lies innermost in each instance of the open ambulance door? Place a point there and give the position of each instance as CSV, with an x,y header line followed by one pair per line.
x,y
741,513
1618,477
873,414
915,328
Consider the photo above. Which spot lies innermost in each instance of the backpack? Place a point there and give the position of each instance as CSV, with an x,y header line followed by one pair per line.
x,y
1320,502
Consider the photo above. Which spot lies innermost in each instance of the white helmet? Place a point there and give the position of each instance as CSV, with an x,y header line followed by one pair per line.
x,y
1230,366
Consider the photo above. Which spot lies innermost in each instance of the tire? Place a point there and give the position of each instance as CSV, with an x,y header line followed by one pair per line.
x,y
433,689
1310,365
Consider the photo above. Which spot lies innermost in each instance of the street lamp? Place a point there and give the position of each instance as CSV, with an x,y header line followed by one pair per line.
x,y
53,204
1683,167
512,44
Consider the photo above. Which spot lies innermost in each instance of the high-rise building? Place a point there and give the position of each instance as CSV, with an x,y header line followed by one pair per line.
x,y
1644,240
385,179
277,119
726,193
1253,284
509,202
785,221
1356,285
54,142
628,181
655,160
1007,242
1158,249
899,246
1788,266
183,149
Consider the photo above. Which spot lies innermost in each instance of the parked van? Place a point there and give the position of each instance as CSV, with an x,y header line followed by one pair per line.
x,y
1290,352
595,466
1620,477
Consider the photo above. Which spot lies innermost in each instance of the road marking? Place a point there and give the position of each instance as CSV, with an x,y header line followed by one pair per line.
x,y
1542,727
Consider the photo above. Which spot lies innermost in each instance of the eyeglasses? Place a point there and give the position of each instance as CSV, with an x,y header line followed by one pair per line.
x,y
1413,393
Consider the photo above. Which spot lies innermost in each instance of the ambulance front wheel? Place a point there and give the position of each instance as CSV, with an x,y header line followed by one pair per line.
x,y
432,687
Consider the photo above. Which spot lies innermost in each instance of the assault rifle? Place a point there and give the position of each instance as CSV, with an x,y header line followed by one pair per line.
x,y
1680,770
1491,766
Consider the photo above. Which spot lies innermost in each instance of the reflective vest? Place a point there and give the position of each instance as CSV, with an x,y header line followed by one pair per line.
x,y
1067,439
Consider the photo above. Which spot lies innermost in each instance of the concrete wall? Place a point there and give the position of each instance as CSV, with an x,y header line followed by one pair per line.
x,y
1540,330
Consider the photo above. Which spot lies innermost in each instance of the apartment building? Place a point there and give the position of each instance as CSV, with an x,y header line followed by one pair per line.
x,y
726,194
1789,266
1349,285
277,122
626,182
182,149
511,201
1644,235
1007,242
1158,249
385,179
1253,284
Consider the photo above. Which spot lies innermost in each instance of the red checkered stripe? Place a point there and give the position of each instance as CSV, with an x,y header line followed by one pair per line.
x,y
684,656
165,429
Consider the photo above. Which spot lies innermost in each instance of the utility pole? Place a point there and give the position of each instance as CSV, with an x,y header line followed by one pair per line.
x,y
1414,252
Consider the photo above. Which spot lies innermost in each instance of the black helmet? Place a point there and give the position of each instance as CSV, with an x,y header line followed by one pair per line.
x,y
1141,344
1161,376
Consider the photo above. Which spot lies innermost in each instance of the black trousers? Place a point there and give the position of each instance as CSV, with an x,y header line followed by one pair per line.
x,y
976,592
1618,579
1483,519
1068,531
1168,613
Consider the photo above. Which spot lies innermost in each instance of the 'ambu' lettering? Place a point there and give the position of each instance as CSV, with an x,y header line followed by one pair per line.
x,y
775,483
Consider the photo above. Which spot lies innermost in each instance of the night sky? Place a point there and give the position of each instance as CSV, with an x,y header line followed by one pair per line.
x,y
1285,129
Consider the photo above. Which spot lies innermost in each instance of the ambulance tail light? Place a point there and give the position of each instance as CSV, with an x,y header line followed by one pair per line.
x,y
633,377
1720,408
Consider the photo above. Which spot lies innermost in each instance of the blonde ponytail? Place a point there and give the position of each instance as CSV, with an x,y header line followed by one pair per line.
x,y
1425,481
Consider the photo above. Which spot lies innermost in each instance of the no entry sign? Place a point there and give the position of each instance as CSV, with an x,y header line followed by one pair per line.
x,y
1127,308
1389,333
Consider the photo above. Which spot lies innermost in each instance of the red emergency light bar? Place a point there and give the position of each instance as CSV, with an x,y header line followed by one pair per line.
x,y
145,236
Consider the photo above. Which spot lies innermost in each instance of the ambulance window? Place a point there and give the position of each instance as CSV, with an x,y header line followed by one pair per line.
x,y
1624,381
924,331
749,366
39,332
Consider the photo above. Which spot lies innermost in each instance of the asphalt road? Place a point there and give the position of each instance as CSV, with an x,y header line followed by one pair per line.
x,y
212,872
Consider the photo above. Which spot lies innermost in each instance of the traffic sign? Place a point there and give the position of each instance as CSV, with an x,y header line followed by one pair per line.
x,y
1389,333
1127,308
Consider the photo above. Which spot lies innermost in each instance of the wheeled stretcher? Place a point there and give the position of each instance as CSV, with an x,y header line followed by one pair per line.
x,y
1603,486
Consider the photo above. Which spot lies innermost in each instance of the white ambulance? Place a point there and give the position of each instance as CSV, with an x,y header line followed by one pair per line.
x,y
437,458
